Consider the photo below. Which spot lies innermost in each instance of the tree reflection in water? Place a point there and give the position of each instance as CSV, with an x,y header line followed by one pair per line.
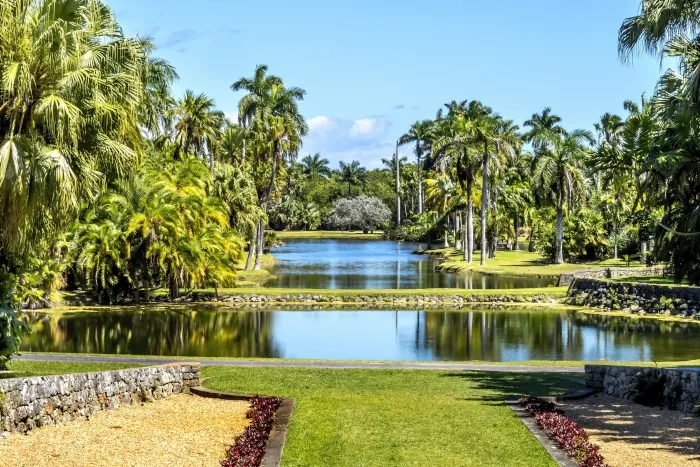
x,y
187,331
478,334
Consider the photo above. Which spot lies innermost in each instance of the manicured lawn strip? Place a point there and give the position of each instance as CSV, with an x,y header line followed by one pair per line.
x,y
519,263
336,234
400,417
20,369
649,280
523,363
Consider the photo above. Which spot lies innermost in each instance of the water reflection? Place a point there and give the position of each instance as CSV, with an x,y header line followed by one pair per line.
x,y
493,335
363,264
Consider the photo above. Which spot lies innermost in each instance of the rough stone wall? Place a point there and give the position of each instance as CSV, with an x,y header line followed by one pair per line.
x,y
681,388
28,403
626,296
566,279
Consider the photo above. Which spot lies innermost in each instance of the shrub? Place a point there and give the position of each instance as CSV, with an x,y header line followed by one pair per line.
x,y
363,212
568,434
248,449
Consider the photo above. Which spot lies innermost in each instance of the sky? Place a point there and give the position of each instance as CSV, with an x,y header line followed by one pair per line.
x,y
372,68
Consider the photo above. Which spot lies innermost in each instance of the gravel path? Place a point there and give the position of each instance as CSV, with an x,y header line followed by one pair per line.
x,y
632,435
294,364
180,430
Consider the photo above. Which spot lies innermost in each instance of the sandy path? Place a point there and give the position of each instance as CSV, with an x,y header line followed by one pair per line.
x,y
180,430
634,435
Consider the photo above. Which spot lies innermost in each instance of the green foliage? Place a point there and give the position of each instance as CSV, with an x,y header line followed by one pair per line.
x,y
362,212
585,237
12,328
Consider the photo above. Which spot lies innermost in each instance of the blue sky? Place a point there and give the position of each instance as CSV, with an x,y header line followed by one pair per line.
x,y
371,68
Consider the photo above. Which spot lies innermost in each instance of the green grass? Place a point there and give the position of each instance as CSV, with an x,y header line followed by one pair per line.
x,y
21,369
518,263
400,417
650,280
376,235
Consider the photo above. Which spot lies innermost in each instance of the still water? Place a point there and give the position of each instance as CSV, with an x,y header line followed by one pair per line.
x,y
490,335
375,264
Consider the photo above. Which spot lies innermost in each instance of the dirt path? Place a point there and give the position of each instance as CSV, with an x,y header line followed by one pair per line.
x,y
633,435
180,430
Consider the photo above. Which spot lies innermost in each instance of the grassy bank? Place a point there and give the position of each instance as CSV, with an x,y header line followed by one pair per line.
x,y
654,280
336,234
23,369
400,417
253,278
517,263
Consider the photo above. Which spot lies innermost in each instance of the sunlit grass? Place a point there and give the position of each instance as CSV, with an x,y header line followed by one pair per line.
x,y
337,234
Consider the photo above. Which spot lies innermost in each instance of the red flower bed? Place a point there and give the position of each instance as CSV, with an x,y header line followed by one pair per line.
x,y
568,434
248,449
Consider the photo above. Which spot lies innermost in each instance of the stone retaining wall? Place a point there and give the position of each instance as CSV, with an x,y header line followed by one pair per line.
x,y
679,389
419,300
627,296
566,279
28,403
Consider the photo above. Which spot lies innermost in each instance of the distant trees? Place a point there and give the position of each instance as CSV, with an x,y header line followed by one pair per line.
x,y
363,212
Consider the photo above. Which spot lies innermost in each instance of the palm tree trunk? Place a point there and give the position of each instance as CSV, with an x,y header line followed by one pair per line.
x,y
484,203
465,237
420,178
446,242
516,226
643,253
470,223
261,244
559,243
398,187
252,248
458,238
243,153
615,250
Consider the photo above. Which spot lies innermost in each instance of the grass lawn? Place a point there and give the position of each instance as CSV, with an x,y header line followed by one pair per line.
x,y
519,263
650,280
19,369
400,417
357,234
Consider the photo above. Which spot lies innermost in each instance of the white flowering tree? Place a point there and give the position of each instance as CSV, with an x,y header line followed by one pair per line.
x,y
363,212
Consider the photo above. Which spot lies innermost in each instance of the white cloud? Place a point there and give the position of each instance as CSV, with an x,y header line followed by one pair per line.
x,y
320,123
365,128
364,139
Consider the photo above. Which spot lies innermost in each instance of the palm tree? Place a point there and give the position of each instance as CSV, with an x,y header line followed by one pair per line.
x,y
609,129
315,166
418,133
68,112
353,174
559,178
157,76
198,125
229,147
543,128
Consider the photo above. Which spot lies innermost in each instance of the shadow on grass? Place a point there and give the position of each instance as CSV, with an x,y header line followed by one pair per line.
x,y
501,386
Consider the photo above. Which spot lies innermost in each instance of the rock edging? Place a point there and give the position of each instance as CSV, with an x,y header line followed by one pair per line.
x,y
676,388
635,298
565,279
29,403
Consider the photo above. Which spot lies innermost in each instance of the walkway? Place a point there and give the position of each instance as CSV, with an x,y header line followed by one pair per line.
x,y
298,364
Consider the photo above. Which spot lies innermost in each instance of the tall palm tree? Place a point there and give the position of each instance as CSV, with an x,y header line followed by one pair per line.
x,y
69,102
353,174
609,129
198,125
229,147
543,127
315,166
559,178
157,77
419,134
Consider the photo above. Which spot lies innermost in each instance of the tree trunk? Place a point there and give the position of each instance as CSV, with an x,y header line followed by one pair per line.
x,y
261,244
398,187
420,178
446,243
465,239
615,250
484,205
252,248
643,253
243,153
516,226
458,234
559,241
470,224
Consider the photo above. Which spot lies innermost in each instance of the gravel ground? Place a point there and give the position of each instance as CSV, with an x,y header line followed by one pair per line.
x,y
634,435
180,430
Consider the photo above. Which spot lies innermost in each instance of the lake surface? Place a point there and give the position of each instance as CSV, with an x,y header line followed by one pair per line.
x,y
374,264
491,335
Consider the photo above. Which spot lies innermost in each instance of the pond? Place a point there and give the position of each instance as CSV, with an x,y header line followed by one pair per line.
x,y
491,335
374,264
